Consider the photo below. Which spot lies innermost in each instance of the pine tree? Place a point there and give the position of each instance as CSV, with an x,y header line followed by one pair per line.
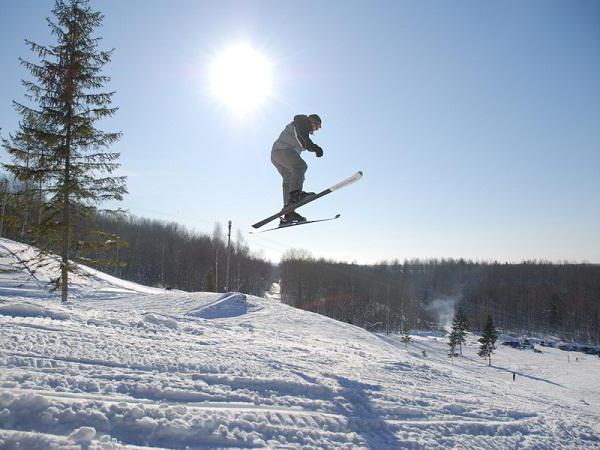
x,y
464,323
460,326
67,153
452,343
406,339
29,154
488,340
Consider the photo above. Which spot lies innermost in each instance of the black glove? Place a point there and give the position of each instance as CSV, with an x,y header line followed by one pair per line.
x,y
316,149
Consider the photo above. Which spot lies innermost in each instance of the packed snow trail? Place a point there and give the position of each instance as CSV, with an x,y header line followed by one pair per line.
x,y
123,365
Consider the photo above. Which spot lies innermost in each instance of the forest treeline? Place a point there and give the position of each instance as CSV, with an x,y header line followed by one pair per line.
x,y
147,251
530,297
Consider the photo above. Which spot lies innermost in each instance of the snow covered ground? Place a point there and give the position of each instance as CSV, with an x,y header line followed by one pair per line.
x,y
127,366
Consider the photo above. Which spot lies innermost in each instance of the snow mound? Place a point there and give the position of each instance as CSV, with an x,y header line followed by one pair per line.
x,y
26,272
36,441
28,310
83,434
230,305
157,319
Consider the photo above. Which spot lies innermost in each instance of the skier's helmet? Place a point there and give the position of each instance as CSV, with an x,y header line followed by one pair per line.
x,y
316,120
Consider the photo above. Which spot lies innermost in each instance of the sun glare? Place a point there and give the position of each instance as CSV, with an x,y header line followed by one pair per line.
x,y
241,78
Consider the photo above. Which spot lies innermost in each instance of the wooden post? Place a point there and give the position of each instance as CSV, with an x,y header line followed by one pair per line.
x,y
228,256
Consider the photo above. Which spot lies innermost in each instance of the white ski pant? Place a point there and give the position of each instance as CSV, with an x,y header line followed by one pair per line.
x,y
292,168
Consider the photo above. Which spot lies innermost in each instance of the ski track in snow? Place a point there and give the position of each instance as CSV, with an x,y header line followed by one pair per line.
x,y
127,366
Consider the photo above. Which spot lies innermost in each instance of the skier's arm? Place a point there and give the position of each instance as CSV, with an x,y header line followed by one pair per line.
x,y
303,127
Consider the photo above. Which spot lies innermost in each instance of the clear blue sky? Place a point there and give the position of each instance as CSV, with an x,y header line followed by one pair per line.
x,y
477,124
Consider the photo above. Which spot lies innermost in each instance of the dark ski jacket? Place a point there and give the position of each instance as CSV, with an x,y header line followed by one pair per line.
x,y
296,135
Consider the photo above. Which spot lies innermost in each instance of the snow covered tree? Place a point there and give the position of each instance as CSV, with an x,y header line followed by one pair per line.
x,y
58,143
460,326
488,340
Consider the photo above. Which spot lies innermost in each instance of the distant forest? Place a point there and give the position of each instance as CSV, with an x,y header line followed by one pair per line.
x,y
169,255
530,297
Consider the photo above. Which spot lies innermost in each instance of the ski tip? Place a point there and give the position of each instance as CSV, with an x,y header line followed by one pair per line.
x,y
337,216
360,172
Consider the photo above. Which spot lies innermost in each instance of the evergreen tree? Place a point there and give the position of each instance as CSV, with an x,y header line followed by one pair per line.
x,y
460,326
30,157
57,143
406,339
464,323
488,340
452,343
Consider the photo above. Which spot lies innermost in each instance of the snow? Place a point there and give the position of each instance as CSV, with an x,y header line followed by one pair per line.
x,y
229,305
29,279
28,310
127,366
83,434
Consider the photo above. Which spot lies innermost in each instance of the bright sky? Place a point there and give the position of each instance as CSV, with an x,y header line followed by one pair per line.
x,y
477,124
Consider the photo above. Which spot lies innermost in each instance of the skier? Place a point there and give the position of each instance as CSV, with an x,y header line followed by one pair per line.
x,y
285,156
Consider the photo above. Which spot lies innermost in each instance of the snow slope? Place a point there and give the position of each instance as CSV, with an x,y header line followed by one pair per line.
x,y
126,366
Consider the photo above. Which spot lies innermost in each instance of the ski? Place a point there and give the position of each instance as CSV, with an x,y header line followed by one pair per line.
x,y
353,179
293,224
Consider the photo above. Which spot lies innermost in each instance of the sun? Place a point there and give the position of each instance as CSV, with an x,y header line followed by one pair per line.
x,y
241,78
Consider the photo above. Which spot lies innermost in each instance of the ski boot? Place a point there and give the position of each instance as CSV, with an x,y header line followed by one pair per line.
x,y
291,218
296,196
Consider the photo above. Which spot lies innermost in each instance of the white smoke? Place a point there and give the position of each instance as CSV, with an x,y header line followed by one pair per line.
x,y
443,308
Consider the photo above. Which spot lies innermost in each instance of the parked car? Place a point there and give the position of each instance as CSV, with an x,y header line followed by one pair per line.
x,y
567,347
513,344
526,344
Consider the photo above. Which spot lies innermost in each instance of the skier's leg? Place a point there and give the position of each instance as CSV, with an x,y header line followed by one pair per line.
x,y
291,167
297,170
285,175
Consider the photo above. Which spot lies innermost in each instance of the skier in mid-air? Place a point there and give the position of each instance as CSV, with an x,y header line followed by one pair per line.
x,y
285,156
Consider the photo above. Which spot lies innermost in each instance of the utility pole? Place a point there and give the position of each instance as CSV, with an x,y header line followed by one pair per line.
x,y
228,255
387,310
4,190
217,267
238,258
162,266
